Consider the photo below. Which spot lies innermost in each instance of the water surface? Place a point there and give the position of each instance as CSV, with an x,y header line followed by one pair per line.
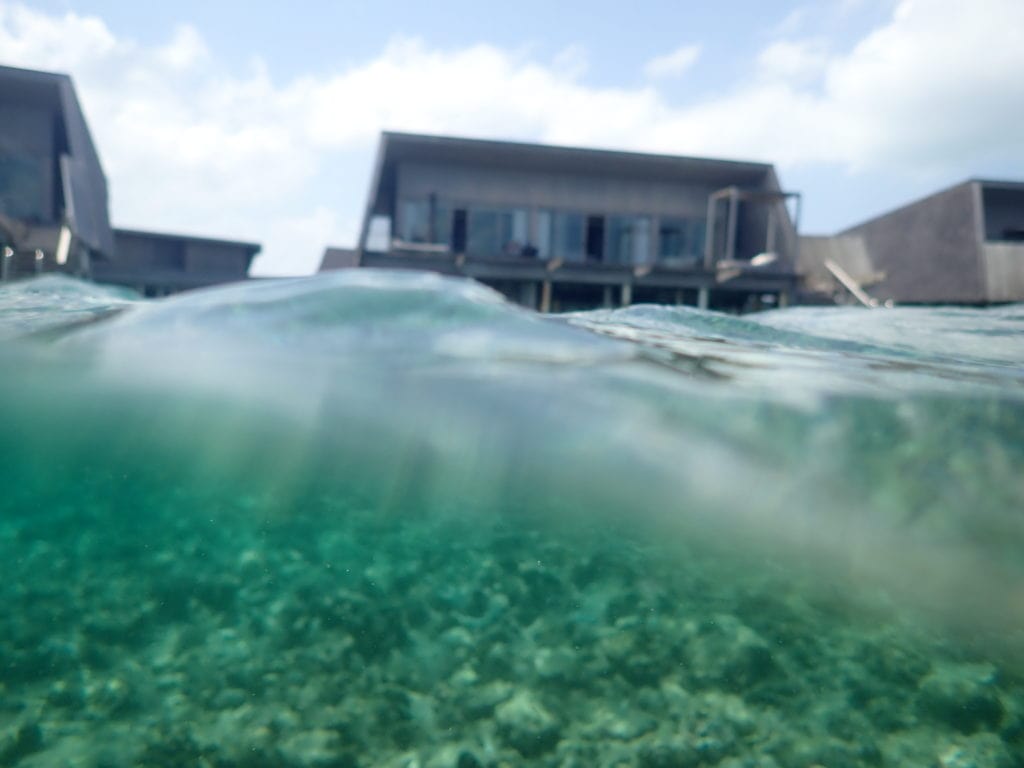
x,y
383,519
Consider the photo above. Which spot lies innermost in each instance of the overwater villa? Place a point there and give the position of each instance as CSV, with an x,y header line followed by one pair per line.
x,y
962,245
53,203
557,228
53,193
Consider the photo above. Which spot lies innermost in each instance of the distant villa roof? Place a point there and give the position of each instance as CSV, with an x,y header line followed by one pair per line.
x,y
253,248
997,183
938,193
406,147
339,258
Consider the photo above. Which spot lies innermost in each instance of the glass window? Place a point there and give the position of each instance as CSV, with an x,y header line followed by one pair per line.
x,y
680,238
629,240
414,221
542,222
442,222
22,186
416,225
379,234
496,232
560,235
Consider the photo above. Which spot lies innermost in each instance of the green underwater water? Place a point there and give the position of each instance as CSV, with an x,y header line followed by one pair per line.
x,y
375,519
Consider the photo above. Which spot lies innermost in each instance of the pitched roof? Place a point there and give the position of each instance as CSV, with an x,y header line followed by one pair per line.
x,y
396,148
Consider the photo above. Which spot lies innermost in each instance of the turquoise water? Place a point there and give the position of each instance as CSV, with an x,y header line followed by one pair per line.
x,y
382,519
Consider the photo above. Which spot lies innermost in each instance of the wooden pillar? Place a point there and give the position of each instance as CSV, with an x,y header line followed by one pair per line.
x,y
627,294
528,295
702,298
606,297
545,296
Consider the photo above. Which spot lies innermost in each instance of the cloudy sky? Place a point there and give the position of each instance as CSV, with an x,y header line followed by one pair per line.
x,y
259,120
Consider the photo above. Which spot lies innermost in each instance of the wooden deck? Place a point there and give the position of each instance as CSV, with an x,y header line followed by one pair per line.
x,y
537,284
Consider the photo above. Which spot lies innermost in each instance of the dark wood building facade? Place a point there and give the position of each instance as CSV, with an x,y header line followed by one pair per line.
x,y
961,245
53,193
558,228
156,264
53,203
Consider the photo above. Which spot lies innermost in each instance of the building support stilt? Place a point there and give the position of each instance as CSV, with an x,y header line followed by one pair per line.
x,y
545,296
528,295
702,298
627,294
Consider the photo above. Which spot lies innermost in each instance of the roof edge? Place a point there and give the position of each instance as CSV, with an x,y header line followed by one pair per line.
x,y
908,204
388,136
36,74
254,247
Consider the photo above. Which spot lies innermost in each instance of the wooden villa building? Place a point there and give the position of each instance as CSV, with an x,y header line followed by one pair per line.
x,y
557,228
53,203
53,194
157,264
961,245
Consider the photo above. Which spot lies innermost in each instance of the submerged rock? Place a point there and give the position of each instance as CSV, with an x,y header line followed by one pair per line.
x,y
717,724
619,725
17,743
984,750
963,696
556,664
727,654
760,761
668,753
319,748
453,756
526,726
481,700
831,752
115,697
167,749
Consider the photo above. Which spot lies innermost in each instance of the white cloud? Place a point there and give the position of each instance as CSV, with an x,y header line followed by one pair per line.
x,y
306,234
793,61
934,90
673,64
185,50
192,146
572,62
940,81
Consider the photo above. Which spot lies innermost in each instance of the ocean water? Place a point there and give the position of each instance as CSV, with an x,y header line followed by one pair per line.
x,y
383,519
